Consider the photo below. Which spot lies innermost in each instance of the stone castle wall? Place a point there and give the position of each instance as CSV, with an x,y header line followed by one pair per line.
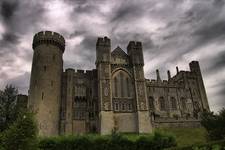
x,y
115,96
45,82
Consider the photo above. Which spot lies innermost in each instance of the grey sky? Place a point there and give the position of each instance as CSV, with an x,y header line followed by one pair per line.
x,y
173,32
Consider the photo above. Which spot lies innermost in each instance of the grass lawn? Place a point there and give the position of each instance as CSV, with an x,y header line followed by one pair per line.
x,y
184,136
187,136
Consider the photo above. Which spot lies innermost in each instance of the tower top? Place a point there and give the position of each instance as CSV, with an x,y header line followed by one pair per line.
x,y
134,44
49,37
103,41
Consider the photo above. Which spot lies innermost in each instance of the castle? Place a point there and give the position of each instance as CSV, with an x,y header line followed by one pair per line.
x,y
115,96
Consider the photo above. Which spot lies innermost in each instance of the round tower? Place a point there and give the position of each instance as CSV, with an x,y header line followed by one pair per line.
x,y
45,81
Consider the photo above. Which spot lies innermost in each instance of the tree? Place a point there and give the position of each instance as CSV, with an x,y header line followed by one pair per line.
x,y
22,134
8,112
214,124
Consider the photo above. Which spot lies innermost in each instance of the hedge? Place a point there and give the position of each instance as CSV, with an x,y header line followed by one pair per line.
x,y
215,145
154,141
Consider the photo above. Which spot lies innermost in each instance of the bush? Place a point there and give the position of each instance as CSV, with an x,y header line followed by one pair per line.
x,y
215,145
158,141
214,124
22,134
155,141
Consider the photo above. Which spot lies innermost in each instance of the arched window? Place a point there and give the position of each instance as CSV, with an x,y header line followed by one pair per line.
x,y
151,103
173,103
183,103
121,84
162,103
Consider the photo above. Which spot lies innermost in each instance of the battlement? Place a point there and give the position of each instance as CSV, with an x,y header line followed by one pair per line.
x,y
194,62
134,44
81,72
103,41
164,83
49,37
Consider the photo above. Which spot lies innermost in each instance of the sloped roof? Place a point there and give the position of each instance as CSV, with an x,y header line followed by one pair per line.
x,y
118,52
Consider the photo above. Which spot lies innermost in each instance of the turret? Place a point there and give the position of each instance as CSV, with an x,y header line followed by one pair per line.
x,y
103,50
103,54
45,83
134,50
195,69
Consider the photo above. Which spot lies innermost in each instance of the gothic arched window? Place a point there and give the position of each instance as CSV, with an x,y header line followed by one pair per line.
x,y
173,103
122,84
162,103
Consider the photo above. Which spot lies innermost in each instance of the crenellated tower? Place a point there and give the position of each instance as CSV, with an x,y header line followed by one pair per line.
x,y
103,54
45,83
134,50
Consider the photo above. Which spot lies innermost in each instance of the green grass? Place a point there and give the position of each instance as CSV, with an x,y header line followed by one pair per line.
x,y
184,136
187,136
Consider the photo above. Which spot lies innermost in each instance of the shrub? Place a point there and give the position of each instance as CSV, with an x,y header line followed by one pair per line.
x,y
115,141
215,145
8,112
156,142
22,134
214,124
119,142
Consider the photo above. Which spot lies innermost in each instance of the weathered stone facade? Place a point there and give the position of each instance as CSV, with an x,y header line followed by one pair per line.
x,y
114,96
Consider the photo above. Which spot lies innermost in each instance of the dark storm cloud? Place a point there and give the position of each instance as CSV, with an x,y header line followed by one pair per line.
x,y
18,17
217,63
17,20
211,32
127,11
172,32
8,9
9,38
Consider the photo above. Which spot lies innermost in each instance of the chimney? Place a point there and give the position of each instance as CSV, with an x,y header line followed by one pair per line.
x,y
169,75
158,76
177,69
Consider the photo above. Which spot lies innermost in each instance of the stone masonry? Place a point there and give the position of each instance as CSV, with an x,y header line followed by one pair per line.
x,y
115,96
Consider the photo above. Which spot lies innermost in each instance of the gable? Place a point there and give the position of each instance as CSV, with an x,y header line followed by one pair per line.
x,y
119,56
118,52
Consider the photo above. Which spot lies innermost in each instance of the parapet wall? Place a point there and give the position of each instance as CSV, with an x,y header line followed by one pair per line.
x,y
134,44
92,72
49,37
103,41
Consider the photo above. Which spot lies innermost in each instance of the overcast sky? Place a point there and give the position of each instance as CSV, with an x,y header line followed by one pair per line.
x,y
173,32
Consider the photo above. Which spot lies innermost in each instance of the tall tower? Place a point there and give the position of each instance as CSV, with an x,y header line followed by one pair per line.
x,y
103,54
134,50
195,68
45,83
